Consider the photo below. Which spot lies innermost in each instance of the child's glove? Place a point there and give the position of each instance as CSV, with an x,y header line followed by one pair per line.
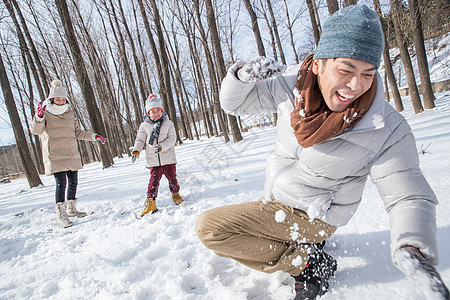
x,y
101,139
259,69
40,110
158,148
135,155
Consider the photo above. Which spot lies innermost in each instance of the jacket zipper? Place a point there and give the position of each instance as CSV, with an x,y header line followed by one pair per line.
x,y
159,158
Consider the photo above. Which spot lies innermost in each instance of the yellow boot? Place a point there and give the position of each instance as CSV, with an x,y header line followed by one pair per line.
x,y
150,206
177,198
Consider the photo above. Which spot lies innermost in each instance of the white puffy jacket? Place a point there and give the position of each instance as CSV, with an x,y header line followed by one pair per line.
x,y
327,180
167,139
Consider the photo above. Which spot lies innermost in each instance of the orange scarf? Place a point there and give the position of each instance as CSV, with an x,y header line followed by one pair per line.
x,y
313,122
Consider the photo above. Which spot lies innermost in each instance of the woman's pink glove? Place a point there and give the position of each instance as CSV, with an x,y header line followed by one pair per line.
x,y
101,139
40,110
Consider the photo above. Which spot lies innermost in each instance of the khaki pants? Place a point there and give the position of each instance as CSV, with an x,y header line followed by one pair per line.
x,y
251,234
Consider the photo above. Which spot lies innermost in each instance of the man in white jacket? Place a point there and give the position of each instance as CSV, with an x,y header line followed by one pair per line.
x,y
334,130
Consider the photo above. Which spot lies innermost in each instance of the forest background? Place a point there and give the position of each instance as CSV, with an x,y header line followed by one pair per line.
x,y
111,54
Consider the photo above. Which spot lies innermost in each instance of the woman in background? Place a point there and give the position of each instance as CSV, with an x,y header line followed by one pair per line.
x,y
55,122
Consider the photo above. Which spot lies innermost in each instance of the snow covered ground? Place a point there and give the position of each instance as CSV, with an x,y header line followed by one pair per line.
x,y
114,254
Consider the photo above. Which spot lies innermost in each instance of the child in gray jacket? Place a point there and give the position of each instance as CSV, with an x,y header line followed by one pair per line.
x,y
157,136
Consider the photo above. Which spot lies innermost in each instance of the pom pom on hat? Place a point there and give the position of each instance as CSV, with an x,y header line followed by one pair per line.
x,y
57,90
352,32
56,82
152,102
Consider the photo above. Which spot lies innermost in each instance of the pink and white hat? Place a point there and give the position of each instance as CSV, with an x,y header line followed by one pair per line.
x,y
152,102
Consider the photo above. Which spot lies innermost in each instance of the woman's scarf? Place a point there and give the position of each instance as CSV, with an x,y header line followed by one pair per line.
x,y
55,109
156,127
313,122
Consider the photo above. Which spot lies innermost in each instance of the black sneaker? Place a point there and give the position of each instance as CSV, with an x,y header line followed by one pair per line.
x,y
313,280
307,289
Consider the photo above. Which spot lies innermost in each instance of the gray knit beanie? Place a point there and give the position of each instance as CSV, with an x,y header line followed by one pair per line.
x,y
57,90
352,32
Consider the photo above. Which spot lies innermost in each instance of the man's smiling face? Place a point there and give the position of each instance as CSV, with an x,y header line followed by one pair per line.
x,y
343,80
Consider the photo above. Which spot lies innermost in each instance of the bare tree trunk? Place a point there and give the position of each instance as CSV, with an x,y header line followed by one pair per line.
x,y
255,27
387,61
156,57
291,34
25,155
186,24
316,16
176,77
46,42
199,91
386,88
191,113
204,112
392,82
36,146
221,64
231,25
147,82
413,91
333,6
349,2
262,11
128,73
37,151
132,132
134,53
165,68
202,96
314,21
275,31
214,84
24,46
83,80
103,88
131,125
81,145
422,62
32,46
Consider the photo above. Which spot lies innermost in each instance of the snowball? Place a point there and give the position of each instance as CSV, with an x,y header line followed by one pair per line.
x,y
280,216
298,261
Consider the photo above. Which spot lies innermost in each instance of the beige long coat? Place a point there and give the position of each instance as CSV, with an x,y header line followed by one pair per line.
x,y
59,134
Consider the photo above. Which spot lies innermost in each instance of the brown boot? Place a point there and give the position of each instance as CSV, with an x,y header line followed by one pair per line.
x,y
177,198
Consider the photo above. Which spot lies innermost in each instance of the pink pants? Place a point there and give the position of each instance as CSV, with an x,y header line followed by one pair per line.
x,y
170,171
